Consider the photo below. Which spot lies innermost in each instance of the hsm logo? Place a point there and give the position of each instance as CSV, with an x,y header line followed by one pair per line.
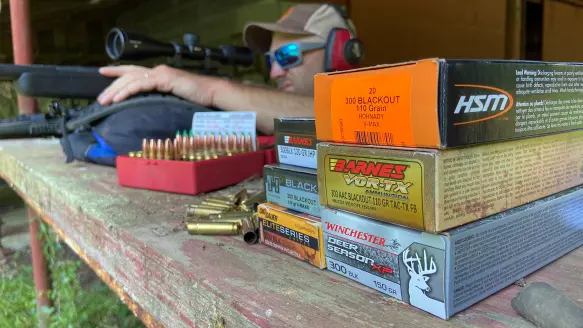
x,y
491,104
418,286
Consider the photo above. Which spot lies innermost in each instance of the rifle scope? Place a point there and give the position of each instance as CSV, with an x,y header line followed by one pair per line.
x,y
127,45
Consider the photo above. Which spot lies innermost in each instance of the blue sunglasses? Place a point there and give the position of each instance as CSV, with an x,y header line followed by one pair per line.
x,y
290,55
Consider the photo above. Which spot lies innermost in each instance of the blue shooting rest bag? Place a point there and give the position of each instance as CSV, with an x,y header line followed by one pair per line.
x,y
102,133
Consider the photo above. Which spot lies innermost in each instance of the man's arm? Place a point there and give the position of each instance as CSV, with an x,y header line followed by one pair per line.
x,y
268,103
206,91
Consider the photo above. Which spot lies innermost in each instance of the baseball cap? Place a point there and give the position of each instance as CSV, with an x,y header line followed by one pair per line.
x,y
303,19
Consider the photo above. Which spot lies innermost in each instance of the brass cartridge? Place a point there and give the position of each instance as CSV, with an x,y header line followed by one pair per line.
x,y
250,229
145,152
212,141
248,143
230,215
175,150
132,154
213,228
242,143
191,144
168,151
205,141
152,149
192,157
185,148
139,154
219,147
159,149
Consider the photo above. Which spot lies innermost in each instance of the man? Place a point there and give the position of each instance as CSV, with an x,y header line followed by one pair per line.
x,y
304,27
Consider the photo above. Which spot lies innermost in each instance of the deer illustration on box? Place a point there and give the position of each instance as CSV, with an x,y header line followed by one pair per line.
x,y
418,283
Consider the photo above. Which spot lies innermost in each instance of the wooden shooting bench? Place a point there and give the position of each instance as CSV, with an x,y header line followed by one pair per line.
x,y
133,240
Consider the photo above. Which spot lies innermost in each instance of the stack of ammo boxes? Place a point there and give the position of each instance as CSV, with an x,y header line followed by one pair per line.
x,y
444,181
290,220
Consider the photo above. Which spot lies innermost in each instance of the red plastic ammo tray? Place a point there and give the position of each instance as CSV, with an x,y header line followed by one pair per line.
x,y
186,177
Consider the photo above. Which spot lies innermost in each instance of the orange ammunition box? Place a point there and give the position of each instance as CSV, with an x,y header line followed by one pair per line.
x,y
439,103
436,190
293,233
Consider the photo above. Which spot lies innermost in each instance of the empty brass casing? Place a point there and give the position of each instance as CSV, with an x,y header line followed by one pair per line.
x,y
212,206
132,154
250,229
230,215
238,221
241,196
194,211
217,205
258,197
213,228
220,201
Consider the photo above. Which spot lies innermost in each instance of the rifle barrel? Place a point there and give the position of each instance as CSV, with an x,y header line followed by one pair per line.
x,y
9,72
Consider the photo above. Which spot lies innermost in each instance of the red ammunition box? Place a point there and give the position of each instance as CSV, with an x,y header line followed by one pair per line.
x,y
192,178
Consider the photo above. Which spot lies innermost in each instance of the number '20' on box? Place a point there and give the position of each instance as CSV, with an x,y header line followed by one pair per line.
x,y
445,273
439,103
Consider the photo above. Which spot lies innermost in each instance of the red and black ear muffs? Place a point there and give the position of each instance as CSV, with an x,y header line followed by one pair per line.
x,y
343,52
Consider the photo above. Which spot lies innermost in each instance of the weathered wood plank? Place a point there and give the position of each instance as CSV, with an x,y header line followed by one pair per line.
x,y
130,237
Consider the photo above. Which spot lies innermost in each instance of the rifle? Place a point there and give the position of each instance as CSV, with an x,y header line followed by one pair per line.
x,y
82,82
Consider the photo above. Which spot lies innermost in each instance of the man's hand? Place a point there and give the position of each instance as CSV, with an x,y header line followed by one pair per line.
x,y
135,79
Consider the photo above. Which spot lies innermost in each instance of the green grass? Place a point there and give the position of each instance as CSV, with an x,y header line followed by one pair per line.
x,y
94,305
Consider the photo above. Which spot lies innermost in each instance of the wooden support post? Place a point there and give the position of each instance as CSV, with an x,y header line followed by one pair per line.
x,y
40,269
22,49
514,40
22,46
